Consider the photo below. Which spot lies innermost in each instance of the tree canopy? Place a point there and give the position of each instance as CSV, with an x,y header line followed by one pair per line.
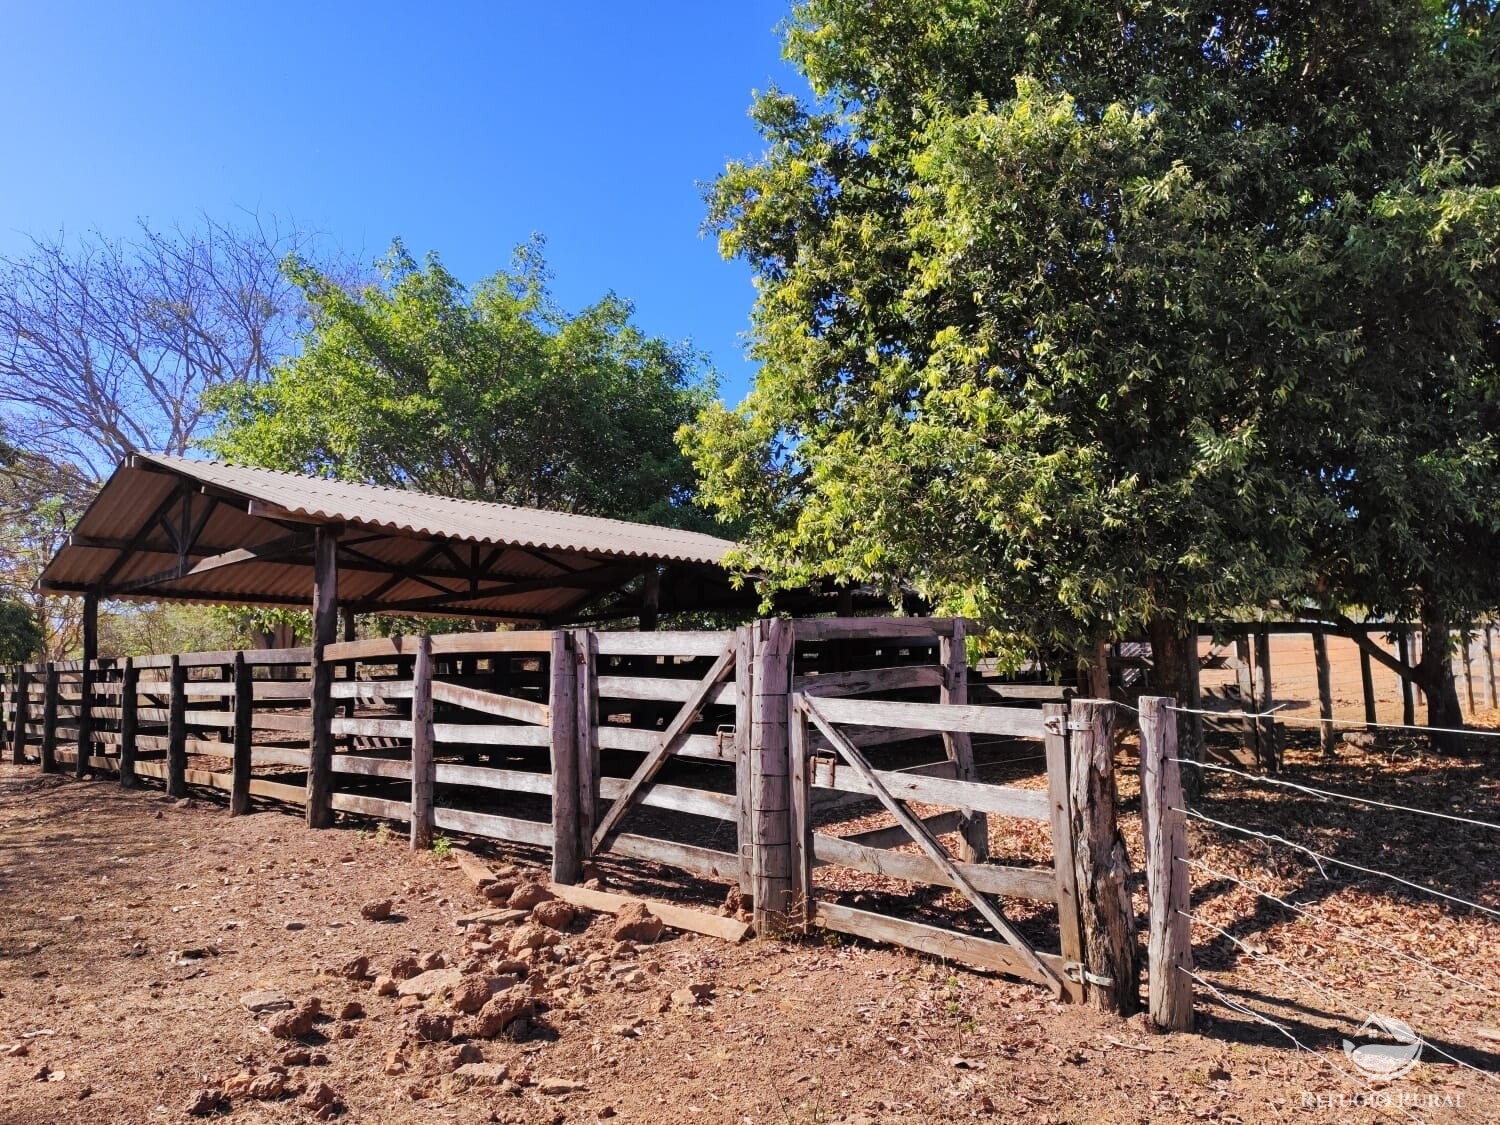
x,y
490,394
1082,318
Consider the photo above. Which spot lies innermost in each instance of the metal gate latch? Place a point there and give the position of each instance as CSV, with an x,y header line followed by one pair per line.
x,y
725,734
1076,973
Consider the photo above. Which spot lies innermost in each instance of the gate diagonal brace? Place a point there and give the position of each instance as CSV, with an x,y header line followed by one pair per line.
x,y
935,851
676,731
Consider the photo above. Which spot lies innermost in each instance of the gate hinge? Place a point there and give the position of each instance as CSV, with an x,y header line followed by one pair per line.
x,y
1076,973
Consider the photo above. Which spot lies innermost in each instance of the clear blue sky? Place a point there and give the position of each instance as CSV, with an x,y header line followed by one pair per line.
x,y
460,127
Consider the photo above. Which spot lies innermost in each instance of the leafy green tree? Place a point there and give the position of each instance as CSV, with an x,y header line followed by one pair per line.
x,y
21,636
1064,308
494,394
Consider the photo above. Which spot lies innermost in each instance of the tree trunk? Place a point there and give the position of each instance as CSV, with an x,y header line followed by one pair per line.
x,y
1434,674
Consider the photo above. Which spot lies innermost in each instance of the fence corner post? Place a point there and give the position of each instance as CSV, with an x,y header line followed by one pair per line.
x,y
21,715
244,711
1110,960
130,680
177,729
1169,946
586,732
770,776
50,691
422,770
562,702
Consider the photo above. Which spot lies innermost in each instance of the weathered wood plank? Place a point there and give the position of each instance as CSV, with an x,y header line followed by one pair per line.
x,y
372,728
488,703
1016,882
1014,721
692,746
365,805
490,735
1026,804
1040,693
707,862
487,777
909,677
492,827
277,791
659,688
397,768
699,802
663,643
873,628
895,836
957,744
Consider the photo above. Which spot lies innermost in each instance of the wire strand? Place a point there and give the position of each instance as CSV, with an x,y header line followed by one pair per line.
x,y
1323,991
1330,793
1314,724
1319,858
1344,930
1236,1006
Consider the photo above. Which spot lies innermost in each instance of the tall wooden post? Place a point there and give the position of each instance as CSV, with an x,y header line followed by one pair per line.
x,y
86,684
1490,698
244,719
50,692
770,796
1467,640
1244,677
130,681
325,614
1325,694
650,599
21,715
1064,870
1194,750
744,711
1270,737
177,730
586,733
1405,651
803,905
1169,947
974,828
562,700
423,771
1100,861
1367,687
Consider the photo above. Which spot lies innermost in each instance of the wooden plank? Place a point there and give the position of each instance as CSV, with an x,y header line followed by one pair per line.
x,y
658,755
662,643
677,917
1039,693
1017,882
1016,722
277,791
284,689
901,678
872,628
516,640
707,862
205,689
699,802
947,944
929,844
492,827
364,766
659,688
490,735
371,692
372,728
371,649
1164,829
705,746
292,724
365,805
244,707
562,713
474,869
419,730
278,756
488,703
1005,800
488,777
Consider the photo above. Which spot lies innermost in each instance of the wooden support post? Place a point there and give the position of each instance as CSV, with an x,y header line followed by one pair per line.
x,y
20,716
1367,688
1194,749
177,729
1405,650
562,701
650,599
1244,678
799,746
1101,864
244,717
586,734
1328,735
130,681
1169,947
1490,698
1270,736
422,769
1467,639
86,684
744,694
974,828
49,718
325,624
1064,874
770,796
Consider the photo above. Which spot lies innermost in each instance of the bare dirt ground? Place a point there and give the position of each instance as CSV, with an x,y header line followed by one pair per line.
x,y
132,929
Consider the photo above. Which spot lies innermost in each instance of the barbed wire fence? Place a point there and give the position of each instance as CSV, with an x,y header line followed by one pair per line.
x,y
1173,978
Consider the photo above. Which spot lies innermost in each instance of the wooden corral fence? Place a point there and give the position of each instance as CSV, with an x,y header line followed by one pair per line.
x,y
729,755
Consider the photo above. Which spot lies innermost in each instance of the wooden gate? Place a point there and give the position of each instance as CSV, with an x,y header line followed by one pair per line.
x,y
835,763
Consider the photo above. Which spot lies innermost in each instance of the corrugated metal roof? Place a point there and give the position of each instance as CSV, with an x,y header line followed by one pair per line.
x,y
471,521
396,548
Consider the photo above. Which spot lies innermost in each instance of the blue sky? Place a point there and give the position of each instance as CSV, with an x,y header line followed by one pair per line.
x,y
460,127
